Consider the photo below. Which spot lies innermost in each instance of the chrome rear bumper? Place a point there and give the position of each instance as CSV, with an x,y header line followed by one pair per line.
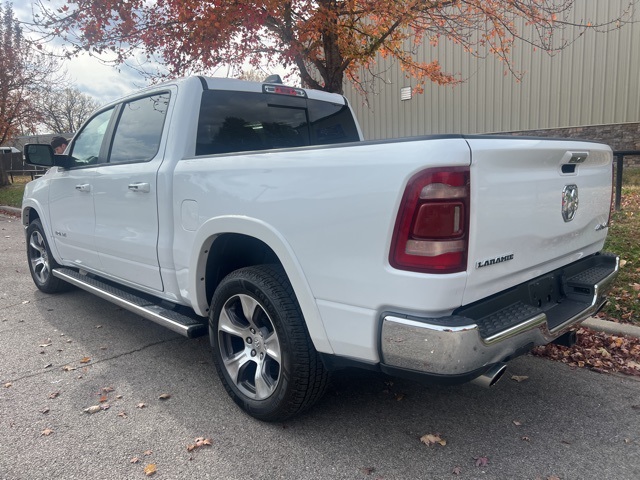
x,y
495,330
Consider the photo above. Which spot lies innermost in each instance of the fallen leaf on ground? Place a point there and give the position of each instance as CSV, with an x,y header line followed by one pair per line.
x,y
481,461
519,378
199,442
48,365
431,439
103,399
8,385
367,470
85,360
164,396
141,405
147,453
150,469
134,460
456,471
525,439
93,409
46,432
107,389
68,368
105,406
45,345
118,397
517,423
45,410
53,395
598,351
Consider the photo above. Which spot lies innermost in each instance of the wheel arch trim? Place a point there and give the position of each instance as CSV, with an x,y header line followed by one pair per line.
x,y
266,233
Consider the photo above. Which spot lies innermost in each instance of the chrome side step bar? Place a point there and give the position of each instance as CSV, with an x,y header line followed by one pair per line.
x,y
175,321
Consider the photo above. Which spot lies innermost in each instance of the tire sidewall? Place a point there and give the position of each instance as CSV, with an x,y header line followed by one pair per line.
x,y
36,226
233,285
52,284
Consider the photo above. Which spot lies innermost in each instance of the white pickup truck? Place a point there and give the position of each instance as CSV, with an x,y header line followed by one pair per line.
x,y
255,213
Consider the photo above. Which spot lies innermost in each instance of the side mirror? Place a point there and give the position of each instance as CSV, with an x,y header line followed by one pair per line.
x,y
43,156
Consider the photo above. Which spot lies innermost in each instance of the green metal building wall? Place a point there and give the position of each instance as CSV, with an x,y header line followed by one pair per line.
x,y
594,81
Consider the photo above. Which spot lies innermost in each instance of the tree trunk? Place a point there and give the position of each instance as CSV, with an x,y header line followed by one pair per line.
x,y
4,176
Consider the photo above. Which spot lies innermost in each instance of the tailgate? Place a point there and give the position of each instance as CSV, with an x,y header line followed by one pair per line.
x,y
536,205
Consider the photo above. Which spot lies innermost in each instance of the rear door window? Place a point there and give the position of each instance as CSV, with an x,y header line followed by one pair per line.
x,y
139,129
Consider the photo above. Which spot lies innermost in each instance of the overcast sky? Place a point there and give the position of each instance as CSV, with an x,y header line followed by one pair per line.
x,y
89,75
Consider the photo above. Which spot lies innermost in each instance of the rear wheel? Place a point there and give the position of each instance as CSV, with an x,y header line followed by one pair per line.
x,y
41,262
261,347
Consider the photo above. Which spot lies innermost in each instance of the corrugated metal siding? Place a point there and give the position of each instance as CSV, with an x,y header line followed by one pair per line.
x,y
593,81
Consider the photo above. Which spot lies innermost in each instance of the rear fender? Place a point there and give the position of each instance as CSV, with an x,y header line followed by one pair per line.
x,y
212,228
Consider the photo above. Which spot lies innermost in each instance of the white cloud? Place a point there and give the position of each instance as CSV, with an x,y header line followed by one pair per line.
x,y
104,82
86,73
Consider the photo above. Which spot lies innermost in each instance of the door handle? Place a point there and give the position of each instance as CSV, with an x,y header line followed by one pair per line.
x,y
140,187
84,188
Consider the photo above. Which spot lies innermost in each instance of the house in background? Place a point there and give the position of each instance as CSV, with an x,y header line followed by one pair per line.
x,y
5,150
590,90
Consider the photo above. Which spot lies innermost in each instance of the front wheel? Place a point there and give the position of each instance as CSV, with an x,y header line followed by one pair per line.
x,y
41,262
261,347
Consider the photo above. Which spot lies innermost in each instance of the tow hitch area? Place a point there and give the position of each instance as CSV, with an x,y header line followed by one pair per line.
x,y
566,340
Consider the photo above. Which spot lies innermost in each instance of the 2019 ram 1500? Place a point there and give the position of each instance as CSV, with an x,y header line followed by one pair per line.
x,y
255,213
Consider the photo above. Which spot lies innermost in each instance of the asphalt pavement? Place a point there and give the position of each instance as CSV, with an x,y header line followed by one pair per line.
x,y
62,354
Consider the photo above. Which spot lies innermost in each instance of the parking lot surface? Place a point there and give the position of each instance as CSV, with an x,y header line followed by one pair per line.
x,y
62,354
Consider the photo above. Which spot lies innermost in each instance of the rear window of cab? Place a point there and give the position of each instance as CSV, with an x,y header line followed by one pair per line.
x,y
232,121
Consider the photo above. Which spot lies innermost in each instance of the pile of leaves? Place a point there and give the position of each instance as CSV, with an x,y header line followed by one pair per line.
x,y
624,230
597,351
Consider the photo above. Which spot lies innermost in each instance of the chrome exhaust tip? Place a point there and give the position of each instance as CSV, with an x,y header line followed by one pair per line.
x,y
491,376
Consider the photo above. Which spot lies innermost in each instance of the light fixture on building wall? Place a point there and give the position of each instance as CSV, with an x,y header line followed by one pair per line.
x,y
405,93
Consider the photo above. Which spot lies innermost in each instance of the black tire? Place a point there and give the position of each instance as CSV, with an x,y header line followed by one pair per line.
x,y
261,347
41,262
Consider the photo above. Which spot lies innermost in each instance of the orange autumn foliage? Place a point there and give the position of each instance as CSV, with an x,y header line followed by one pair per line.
x,y
326,41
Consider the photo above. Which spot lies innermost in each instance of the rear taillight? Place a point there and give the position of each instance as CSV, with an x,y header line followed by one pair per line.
x,y
432,229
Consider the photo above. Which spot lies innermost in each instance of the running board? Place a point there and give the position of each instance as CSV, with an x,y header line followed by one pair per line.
x,y
178,322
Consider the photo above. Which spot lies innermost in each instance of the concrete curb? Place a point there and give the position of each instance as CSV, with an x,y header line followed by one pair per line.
x,y
11,210
605,326
612,328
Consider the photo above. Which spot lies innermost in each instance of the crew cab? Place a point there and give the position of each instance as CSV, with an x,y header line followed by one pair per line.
x,y
255,213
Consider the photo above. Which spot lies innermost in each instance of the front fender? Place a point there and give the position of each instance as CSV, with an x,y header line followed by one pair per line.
x,y
266,233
